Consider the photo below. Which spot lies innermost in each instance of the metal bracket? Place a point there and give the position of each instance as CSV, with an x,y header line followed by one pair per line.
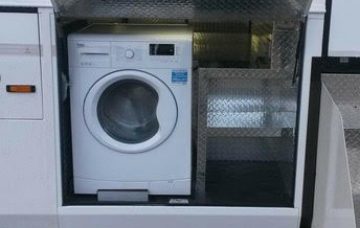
x,y
134,196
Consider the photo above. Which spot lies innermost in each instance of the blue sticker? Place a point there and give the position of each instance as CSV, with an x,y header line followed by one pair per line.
x,y
179,76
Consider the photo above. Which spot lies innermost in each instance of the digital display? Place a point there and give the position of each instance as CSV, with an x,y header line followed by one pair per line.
x,y
162,49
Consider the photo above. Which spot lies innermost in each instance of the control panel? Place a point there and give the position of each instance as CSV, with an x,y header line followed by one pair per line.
x,y
127,55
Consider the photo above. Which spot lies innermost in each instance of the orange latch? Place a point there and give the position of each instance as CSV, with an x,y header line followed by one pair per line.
x,y
20,89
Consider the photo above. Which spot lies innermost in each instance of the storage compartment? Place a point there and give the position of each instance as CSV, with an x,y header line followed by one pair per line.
x,y
20,70
245,110
247,121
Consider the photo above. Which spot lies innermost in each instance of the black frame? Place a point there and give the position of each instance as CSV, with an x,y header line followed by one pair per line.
x,y
320,65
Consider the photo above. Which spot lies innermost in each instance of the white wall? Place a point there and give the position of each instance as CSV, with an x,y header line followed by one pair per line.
x,y
344,31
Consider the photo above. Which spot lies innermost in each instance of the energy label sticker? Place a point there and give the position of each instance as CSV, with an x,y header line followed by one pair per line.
x,y
179,76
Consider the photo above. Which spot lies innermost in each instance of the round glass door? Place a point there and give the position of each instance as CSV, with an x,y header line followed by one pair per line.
x,y
127,111
130,111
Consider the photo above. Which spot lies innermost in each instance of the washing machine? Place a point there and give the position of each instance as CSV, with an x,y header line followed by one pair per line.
x,y
130,92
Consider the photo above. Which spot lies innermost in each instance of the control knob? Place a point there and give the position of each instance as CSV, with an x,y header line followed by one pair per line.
x,y
129,54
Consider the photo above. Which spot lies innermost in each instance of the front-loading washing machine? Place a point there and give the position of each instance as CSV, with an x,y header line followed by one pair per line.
x,y
130,92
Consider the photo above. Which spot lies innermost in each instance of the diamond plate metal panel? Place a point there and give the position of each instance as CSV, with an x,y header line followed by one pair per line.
x,y
246,45
215,46
250,149
261,40
201,139
197,10
250,132
250,102
245,114
250,114
285,34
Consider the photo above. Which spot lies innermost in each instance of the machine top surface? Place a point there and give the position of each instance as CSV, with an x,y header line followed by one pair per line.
x,y
26,3
135,32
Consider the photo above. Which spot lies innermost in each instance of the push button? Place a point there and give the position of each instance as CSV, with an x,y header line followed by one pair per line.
x,y
129,54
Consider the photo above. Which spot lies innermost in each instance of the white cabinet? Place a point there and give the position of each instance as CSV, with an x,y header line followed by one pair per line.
x,y
28,135
20,66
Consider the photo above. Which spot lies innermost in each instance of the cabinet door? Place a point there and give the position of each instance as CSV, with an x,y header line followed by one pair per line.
x,y
20,67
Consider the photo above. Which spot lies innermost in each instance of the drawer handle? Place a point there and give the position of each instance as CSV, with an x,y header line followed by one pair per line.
x,y
20,88
94,53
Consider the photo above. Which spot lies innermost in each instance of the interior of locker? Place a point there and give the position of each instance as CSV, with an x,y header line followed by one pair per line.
x,y
245,110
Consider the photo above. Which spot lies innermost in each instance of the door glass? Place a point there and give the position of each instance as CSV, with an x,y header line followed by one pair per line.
x,y
127,111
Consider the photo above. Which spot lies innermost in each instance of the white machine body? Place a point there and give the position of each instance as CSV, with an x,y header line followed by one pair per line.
x,y
130,89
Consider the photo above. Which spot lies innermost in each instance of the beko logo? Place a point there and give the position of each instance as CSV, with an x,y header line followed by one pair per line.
x,y
80,45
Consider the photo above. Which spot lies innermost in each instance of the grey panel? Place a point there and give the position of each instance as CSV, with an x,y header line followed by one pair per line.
x,y
197,10
345,91
123,196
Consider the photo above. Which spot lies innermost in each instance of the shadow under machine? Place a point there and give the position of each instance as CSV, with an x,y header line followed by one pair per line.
x,y
179,103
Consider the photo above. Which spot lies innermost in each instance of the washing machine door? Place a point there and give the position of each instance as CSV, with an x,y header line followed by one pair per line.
x,y
130,111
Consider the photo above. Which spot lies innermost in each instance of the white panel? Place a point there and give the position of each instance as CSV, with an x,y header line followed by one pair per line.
x,y
318,6
333,206
344,34
27,153
26,166
314,31
28,221
176,217
20,65
26,3
19,28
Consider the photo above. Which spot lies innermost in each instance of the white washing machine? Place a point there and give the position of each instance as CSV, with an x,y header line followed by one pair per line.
x,y
130,92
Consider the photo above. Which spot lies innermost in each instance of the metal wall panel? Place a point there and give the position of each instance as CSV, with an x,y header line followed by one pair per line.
x,y
249,115
197,10
245,115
